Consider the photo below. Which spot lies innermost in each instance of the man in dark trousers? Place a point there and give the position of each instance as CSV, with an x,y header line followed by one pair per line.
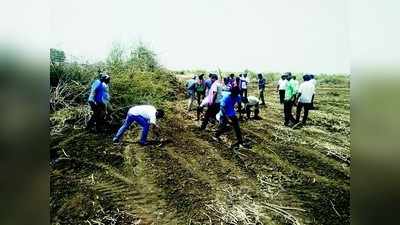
x,y
208,84
212,101
99,100
200,88
145,116
261,87
248,104
281,88
244,81
290,94
227,115
304,96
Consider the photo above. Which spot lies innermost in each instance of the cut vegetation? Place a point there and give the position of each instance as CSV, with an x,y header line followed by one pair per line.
x,y
288,176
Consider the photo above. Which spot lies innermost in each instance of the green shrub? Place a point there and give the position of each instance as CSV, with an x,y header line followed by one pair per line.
x,y
130,88
333,79
137,79
66,72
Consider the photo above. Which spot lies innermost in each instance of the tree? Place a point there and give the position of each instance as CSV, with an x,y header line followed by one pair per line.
x,y
116,60
143,59
56,56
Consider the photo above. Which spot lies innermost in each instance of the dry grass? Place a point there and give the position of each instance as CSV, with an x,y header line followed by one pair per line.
x,y
237,206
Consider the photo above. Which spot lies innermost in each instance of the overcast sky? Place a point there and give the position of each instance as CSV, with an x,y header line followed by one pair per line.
x,y
261,35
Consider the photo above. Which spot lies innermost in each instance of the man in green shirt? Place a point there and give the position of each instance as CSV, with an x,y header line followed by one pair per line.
x,y
290,94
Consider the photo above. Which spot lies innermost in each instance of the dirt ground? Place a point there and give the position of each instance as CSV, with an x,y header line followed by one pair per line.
x,y
288,176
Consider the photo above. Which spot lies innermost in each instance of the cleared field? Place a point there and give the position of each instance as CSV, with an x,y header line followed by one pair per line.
x,y
289,176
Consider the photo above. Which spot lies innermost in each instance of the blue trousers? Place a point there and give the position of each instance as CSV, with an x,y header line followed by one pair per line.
x,y
143,122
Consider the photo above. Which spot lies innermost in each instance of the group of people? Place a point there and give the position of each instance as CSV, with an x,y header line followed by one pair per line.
x,y
291,93
220,98
99,101
223,99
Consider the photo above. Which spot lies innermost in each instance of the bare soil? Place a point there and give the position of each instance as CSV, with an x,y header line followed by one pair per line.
x,y
289,176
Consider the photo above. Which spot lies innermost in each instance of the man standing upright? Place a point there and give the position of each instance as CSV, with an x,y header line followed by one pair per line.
x,y
261,87
190,87
200,89
290,94
304,96
314,82
99,100
231,80
281,87
244,81
208,84
212,101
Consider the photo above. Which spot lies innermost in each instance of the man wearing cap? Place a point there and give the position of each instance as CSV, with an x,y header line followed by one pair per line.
x,y
99,100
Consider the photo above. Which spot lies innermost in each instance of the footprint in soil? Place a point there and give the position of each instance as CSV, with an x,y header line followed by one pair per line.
x,y
154,143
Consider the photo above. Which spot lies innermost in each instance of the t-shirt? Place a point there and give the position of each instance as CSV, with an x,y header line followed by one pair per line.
x,y
93,90
282,84
200,86
101,93
261,83
243,82
190,84
208,83
231,81
252,101
290,90
146,111
307,90
215,87
228,104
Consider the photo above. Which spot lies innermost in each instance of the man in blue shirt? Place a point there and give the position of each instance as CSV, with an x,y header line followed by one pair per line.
x,y
91,101
190,86
208,84
231,80
227,115
261,87
99,100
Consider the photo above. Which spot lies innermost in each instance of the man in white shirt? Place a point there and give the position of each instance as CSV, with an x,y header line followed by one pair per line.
x,y
145,116
244,81
314,82
281,88
304,96
248,104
